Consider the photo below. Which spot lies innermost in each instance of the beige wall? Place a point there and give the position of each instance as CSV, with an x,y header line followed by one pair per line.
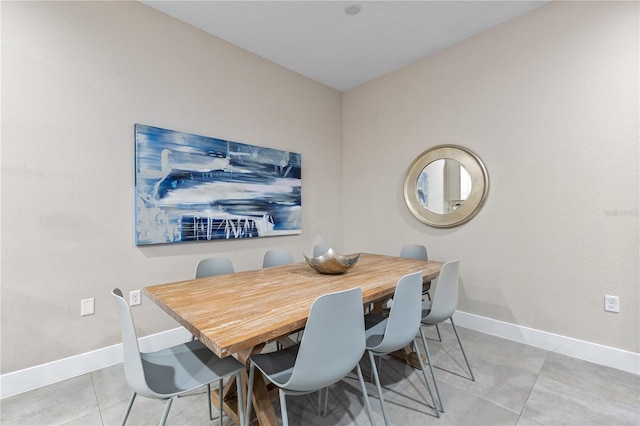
x,y
549,101
76,76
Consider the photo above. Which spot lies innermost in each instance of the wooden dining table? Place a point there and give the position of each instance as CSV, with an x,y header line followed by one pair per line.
x,y
238,314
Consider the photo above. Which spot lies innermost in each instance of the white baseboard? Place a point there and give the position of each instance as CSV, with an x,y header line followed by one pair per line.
x,y
67,368
592,352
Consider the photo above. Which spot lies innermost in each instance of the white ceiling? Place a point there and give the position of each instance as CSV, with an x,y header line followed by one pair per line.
x,y
319,40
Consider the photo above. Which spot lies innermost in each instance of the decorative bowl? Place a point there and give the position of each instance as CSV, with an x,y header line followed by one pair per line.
x,y
332,263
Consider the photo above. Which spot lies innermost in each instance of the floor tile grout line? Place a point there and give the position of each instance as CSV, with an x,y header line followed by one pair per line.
x,y
546,356
95,394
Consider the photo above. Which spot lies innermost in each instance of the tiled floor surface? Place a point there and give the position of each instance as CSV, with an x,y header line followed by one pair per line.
x,y
515,384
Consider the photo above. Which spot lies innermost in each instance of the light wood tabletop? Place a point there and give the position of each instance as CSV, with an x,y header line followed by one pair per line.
x,y
238,313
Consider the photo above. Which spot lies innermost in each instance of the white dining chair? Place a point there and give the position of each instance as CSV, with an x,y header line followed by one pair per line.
x,y
211,267
417,251
276,257
442,308
331,347
214,266
320,249
386,334
167,373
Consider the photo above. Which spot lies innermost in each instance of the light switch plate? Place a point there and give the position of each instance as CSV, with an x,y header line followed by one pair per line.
x,y
87,307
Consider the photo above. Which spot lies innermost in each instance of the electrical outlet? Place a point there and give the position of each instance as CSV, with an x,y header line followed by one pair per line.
x,y
135,298
611,303
87,307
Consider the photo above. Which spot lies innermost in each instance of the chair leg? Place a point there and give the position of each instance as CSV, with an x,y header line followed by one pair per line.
x,y
165,414
126,413
435,383
373,367
208,399
283,408
462,349
252,369
220,401
243,421
364,394
326,401
322,406
424,374
375,375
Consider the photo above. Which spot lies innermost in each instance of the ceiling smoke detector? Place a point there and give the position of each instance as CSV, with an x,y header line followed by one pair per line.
x,y
353,9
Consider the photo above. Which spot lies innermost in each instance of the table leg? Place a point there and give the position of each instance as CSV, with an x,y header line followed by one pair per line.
x,y
409,356
262,406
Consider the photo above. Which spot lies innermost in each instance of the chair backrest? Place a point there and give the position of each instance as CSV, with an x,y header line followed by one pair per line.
x,y
320,249
214,266
445,298
404,318
333,341
133,369
414,251
277,257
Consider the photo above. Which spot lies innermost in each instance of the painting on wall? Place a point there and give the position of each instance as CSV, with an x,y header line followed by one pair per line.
x,y
198,188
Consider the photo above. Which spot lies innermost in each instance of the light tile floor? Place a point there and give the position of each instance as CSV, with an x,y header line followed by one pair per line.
x,y
515,384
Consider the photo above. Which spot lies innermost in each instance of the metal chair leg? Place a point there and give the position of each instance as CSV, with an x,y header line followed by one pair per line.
x,y
462,349
424,374
326,401
243,421
283,408
375,375
209,399
435,383
373,367
126,413
165,414
220,401
364,394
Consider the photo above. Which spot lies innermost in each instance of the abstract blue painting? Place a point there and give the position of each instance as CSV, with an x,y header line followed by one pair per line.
x,y
195,188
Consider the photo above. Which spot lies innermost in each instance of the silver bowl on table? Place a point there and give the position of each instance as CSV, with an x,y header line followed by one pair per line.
x,y
332,263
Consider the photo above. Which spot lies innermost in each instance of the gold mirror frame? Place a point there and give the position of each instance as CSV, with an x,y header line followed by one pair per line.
x,y
473,203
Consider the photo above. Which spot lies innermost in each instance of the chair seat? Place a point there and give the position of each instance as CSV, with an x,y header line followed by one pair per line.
x,y
426,309
375,326
185,367
277,365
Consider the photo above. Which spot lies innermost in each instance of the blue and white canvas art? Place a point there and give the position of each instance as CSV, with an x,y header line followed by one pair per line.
x,y
194,188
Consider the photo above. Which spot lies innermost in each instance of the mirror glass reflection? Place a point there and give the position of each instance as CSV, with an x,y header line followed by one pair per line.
x,y
443,186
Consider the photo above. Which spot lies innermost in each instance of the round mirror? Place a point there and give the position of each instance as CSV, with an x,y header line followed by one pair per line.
x,y
443,186
446,186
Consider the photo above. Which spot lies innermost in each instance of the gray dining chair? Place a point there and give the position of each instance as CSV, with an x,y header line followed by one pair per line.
x,y
331,347
386,334
211,267
442,308
276,257
417,251
214,266
320,249
167,373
